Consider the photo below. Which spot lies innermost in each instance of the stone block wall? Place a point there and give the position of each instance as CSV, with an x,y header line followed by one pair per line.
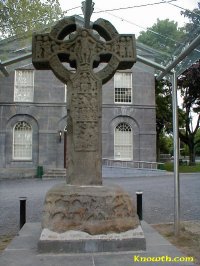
x,y
47,115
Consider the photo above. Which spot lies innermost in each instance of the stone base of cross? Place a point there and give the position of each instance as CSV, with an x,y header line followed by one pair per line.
x,y
92,209
83,204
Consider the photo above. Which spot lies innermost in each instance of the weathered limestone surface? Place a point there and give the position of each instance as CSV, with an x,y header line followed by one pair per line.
x,y
84,205
92,209
84,50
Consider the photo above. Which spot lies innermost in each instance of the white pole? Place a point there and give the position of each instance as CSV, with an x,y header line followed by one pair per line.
x,y
176,157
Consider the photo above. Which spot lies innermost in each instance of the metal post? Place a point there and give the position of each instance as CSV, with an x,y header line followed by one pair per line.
x,y
176,157
22,211
87,8
139,204
181,56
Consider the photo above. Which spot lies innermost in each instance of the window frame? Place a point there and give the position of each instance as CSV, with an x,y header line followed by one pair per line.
x,y
128,89
17,158
17,86
129,146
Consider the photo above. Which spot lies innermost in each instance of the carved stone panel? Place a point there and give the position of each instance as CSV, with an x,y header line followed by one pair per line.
x,y
85,110
95,210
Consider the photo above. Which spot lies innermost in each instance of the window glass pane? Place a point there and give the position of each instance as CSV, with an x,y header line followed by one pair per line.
x,y
24,86
123,147
22,141
123,87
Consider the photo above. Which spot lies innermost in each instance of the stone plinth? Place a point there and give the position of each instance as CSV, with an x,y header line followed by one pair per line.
x,y
91,209
81,242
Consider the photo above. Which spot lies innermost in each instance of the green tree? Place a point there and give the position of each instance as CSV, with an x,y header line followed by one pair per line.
x,y
164,123
163,111
192,27
166,144
164,36
197,140
190,90
21,17
189,86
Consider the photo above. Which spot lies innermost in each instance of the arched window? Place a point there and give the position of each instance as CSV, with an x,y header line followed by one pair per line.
x,y
123,142
22,141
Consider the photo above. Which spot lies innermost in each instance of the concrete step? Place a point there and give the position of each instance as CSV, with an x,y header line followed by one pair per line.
x,y
114,172
54,173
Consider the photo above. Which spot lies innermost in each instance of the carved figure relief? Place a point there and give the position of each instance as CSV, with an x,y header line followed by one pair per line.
x,y
39,48
86,136
110,211
47,46
84,82
122,47
129,44
85,48
82,50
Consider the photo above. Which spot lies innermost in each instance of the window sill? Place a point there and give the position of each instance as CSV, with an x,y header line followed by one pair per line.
x,y
22,160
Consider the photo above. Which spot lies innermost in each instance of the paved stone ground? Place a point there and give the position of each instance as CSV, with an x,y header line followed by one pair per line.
x,y
23,251
158,194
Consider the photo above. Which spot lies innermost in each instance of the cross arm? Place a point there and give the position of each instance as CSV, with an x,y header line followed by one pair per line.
x,y
46,45
120,54
49,53
119,50
40,61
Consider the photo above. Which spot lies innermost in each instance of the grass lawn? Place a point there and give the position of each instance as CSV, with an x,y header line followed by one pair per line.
x,y
183,168
4,241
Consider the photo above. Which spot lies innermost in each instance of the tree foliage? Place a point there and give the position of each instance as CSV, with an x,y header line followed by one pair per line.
x,y
197,143
164,36
192,26
163,106
166,144
25,16
189,86
164,116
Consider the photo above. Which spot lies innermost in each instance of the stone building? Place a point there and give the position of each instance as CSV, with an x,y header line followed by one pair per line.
x,y
33,118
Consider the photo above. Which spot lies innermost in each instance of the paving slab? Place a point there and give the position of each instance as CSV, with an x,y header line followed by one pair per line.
x,y
23,252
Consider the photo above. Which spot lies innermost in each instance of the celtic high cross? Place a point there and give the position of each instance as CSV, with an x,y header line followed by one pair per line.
x,y
84,49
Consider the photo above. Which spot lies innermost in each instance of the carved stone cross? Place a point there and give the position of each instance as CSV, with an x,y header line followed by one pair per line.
x,y
84,49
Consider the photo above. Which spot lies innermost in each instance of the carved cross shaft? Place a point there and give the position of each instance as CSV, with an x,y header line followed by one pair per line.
x,y
83,50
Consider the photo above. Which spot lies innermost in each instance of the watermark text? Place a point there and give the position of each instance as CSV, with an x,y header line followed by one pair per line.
x,y
138,258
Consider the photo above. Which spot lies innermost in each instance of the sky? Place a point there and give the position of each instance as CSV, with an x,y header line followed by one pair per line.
x,y
141,14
